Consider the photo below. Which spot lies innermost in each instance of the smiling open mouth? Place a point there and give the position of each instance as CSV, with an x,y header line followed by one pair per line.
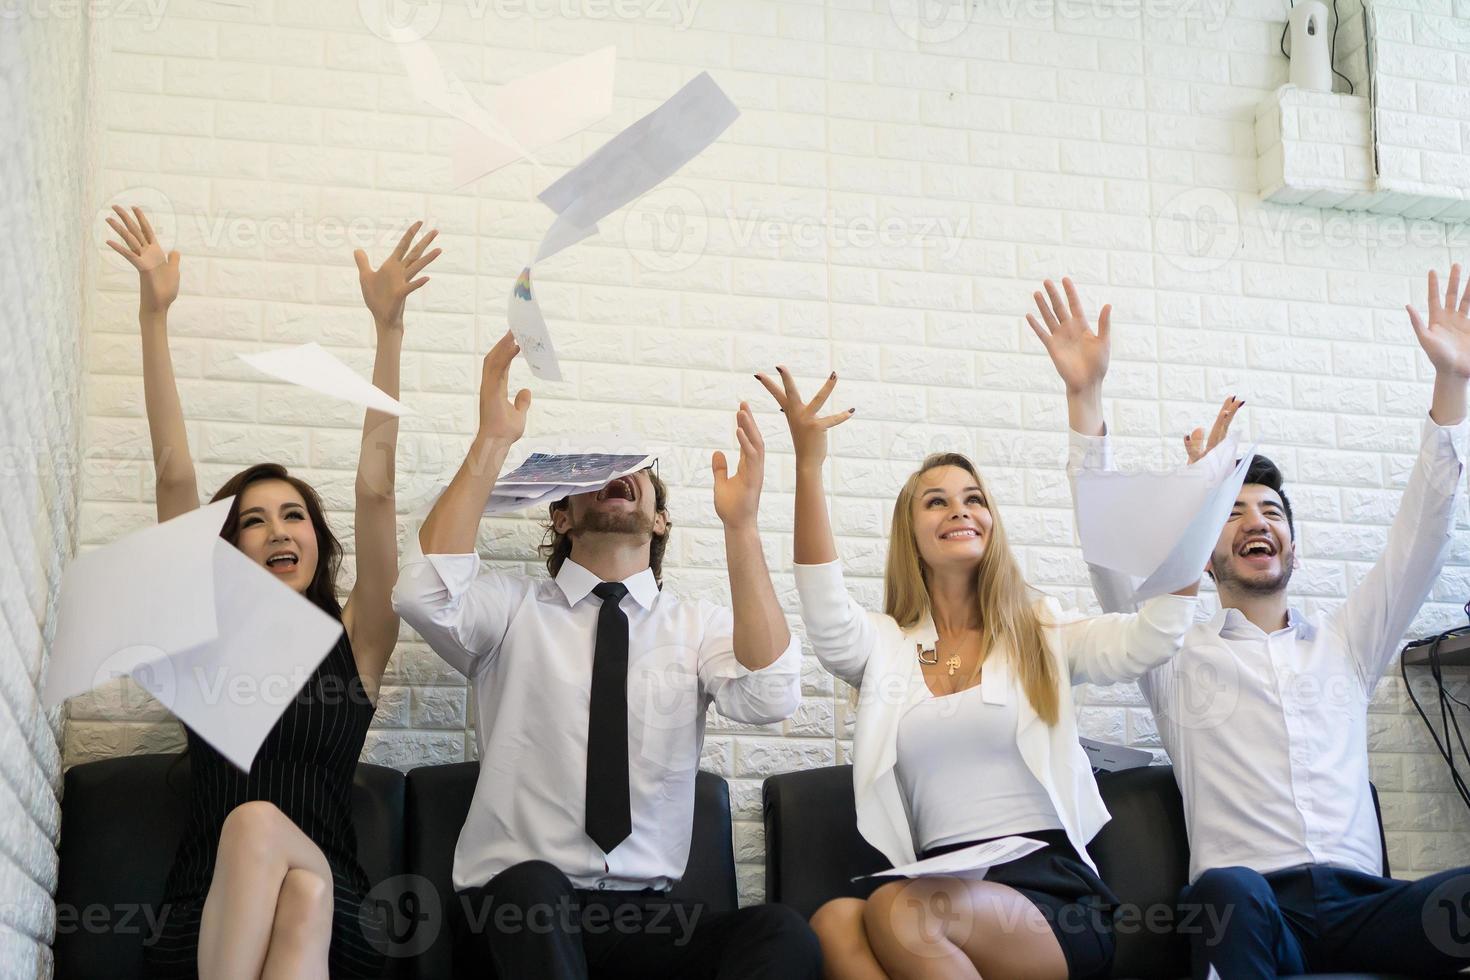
x,y
282,561
1257,548
960,534
623,488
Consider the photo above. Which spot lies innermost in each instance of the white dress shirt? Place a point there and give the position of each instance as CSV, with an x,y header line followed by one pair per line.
x,y
874,654
527,646
1268,732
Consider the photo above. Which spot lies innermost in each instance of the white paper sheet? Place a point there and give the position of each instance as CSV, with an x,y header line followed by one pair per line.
x,y
1158,528
441,88
969,862
1108,757
523,314
310,366
635,161
535,111
214,637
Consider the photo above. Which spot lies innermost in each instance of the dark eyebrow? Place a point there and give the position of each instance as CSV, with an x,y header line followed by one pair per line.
x,y
941,490
261,510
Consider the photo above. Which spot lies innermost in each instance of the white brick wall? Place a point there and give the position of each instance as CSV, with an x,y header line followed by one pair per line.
x,y
46,162
884,207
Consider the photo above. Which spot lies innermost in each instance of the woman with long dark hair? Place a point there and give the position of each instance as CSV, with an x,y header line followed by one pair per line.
x,y
266,881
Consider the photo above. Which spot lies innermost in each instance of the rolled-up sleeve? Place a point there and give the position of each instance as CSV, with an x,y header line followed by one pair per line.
x,y
1119,647
755,697
461,613
842,633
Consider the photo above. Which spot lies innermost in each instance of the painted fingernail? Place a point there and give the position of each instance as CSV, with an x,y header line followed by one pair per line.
x,y
832,375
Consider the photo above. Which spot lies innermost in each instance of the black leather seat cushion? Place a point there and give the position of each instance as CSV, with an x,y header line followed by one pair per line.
x,y
813,848
121,822
438,802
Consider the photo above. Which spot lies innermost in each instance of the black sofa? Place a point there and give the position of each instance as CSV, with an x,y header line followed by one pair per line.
x,y
122,820
813,849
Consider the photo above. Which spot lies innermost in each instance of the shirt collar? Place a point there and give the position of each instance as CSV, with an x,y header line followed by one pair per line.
x,y
1234,619
576,583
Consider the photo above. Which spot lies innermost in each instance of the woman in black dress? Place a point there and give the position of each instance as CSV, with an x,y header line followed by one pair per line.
x,y
266,882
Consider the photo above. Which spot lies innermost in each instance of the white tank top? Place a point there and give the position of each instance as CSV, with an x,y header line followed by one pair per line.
x,y
962,774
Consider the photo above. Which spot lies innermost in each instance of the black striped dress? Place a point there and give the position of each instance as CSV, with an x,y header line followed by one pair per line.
x,y
305,768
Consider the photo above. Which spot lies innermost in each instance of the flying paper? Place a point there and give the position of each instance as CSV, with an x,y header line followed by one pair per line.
x,y
630,164
1158,528
217,639
546,477
310,366
968,862
529,328
535,111
635,161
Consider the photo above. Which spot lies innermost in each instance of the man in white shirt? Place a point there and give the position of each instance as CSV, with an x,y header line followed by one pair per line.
x,y
591,690
1264,711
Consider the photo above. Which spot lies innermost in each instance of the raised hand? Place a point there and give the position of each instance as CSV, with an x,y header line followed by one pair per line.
x,y
386,288
1079,355
158,274
1195,445
1446,337
738,497
501,419
808,429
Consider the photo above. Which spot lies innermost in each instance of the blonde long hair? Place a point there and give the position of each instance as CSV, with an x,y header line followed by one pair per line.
x,y
1008,617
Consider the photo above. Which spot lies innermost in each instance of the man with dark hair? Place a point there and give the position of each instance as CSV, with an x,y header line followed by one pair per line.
x,y
591,689
1264,710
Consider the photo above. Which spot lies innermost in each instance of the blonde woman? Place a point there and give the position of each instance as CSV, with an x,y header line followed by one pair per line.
x,y
966,729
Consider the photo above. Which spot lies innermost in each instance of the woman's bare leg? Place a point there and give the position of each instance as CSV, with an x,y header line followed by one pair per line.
x,y
935,928
846,954
258,846
302,935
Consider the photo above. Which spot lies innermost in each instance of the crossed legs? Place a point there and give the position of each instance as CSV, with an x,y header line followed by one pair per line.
x,y
268,913
938,928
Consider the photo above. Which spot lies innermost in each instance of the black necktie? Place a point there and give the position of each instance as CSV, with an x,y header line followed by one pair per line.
x,y
609,810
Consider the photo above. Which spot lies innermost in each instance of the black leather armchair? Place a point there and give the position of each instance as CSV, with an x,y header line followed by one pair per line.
x,y
438,802
122,820
813,849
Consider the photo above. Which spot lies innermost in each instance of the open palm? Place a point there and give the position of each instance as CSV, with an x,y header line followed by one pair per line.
x,y
158,273
385,289
1079,355
1446,336
738,496
808,429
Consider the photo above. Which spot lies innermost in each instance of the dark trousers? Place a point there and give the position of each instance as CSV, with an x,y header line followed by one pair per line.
x,y
535,926
1320,919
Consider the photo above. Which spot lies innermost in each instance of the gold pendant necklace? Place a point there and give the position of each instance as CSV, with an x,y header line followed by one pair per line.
x,y
953,663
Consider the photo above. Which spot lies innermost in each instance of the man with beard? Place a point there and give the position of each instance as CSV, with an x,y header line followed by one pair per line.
x,y
591,688
1264,710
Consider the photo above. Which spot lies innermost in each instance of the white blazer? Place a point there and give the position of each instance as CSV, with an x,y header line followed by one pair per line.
x,y
870,652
